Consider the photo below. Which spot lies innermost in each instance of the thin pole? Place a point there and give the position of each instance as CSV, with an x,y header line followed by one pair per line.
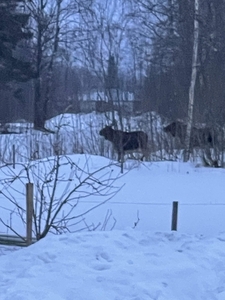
x,y
174,216
29,211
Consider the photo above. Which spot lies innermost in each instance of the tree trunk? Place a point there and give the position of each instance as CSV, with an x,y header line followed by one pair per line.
x,y
39,121
45,56
52,60
192,84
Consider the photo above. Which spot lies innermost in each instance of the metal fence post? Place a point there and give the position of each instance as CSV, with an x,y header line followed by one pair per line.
x,y
174,216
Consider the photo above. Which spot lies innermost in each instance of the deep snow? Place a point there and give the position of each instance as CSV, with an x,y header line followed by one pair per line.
x,y
134,265
148,262
140,259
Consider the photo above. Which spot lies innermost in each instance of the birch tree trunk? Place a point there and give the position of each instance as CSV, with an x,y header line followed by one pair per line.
x,y
52,59
192,84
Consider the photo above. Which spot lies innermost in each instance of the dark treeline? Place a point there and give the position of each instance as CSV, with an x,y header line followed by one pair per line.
x,y
169,71
53,52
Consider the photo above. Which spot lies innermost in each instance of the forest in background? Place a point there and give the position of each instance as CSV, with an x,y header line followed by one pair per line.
x,y
54,51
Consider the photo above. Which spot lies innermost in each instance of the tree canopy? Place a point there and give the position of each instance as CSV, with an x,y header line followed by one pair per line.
x,y
14,65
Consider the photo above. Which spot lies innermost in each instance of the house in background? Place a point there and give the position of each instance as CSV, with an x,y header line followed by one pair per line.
x,y
113,99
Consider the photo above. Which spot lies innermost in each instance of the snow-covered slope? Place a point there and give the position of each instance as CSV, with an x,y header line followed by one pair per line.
x,y
116,265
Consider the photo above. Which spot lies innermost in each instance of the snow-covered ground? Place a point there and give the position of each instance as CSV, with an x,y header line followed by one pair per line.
x,y
116,265
142,262
141,258
147,192
74,133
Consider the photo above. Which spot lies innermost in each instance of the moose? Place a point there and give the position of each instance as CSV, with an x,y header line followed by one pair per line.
x,y
199,136
126,142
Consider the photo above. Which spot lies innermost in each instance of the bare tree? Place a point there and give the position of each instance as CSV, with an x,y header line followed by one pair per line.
x,y
48,24
104,49
192,83
62,186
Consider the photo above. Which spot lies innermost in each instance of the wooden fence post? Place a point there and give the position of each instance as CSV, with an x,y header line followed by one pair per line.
x,y
174,216
14,156
29,211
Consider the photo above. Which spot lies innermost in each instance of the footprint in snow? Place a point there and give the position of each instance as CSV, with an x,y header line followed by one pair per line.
x,y
47,257
101,265
103,256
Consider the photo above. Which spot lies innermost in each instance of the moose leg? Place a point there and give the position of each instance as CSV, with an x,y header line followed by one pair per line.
x,y
144,155
119,156
121,160
122,157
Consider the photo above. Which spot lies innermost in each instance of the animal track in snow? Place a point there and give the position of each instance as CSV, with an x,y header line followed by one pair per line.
x,y
103,260
101,267
103,256
47,257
